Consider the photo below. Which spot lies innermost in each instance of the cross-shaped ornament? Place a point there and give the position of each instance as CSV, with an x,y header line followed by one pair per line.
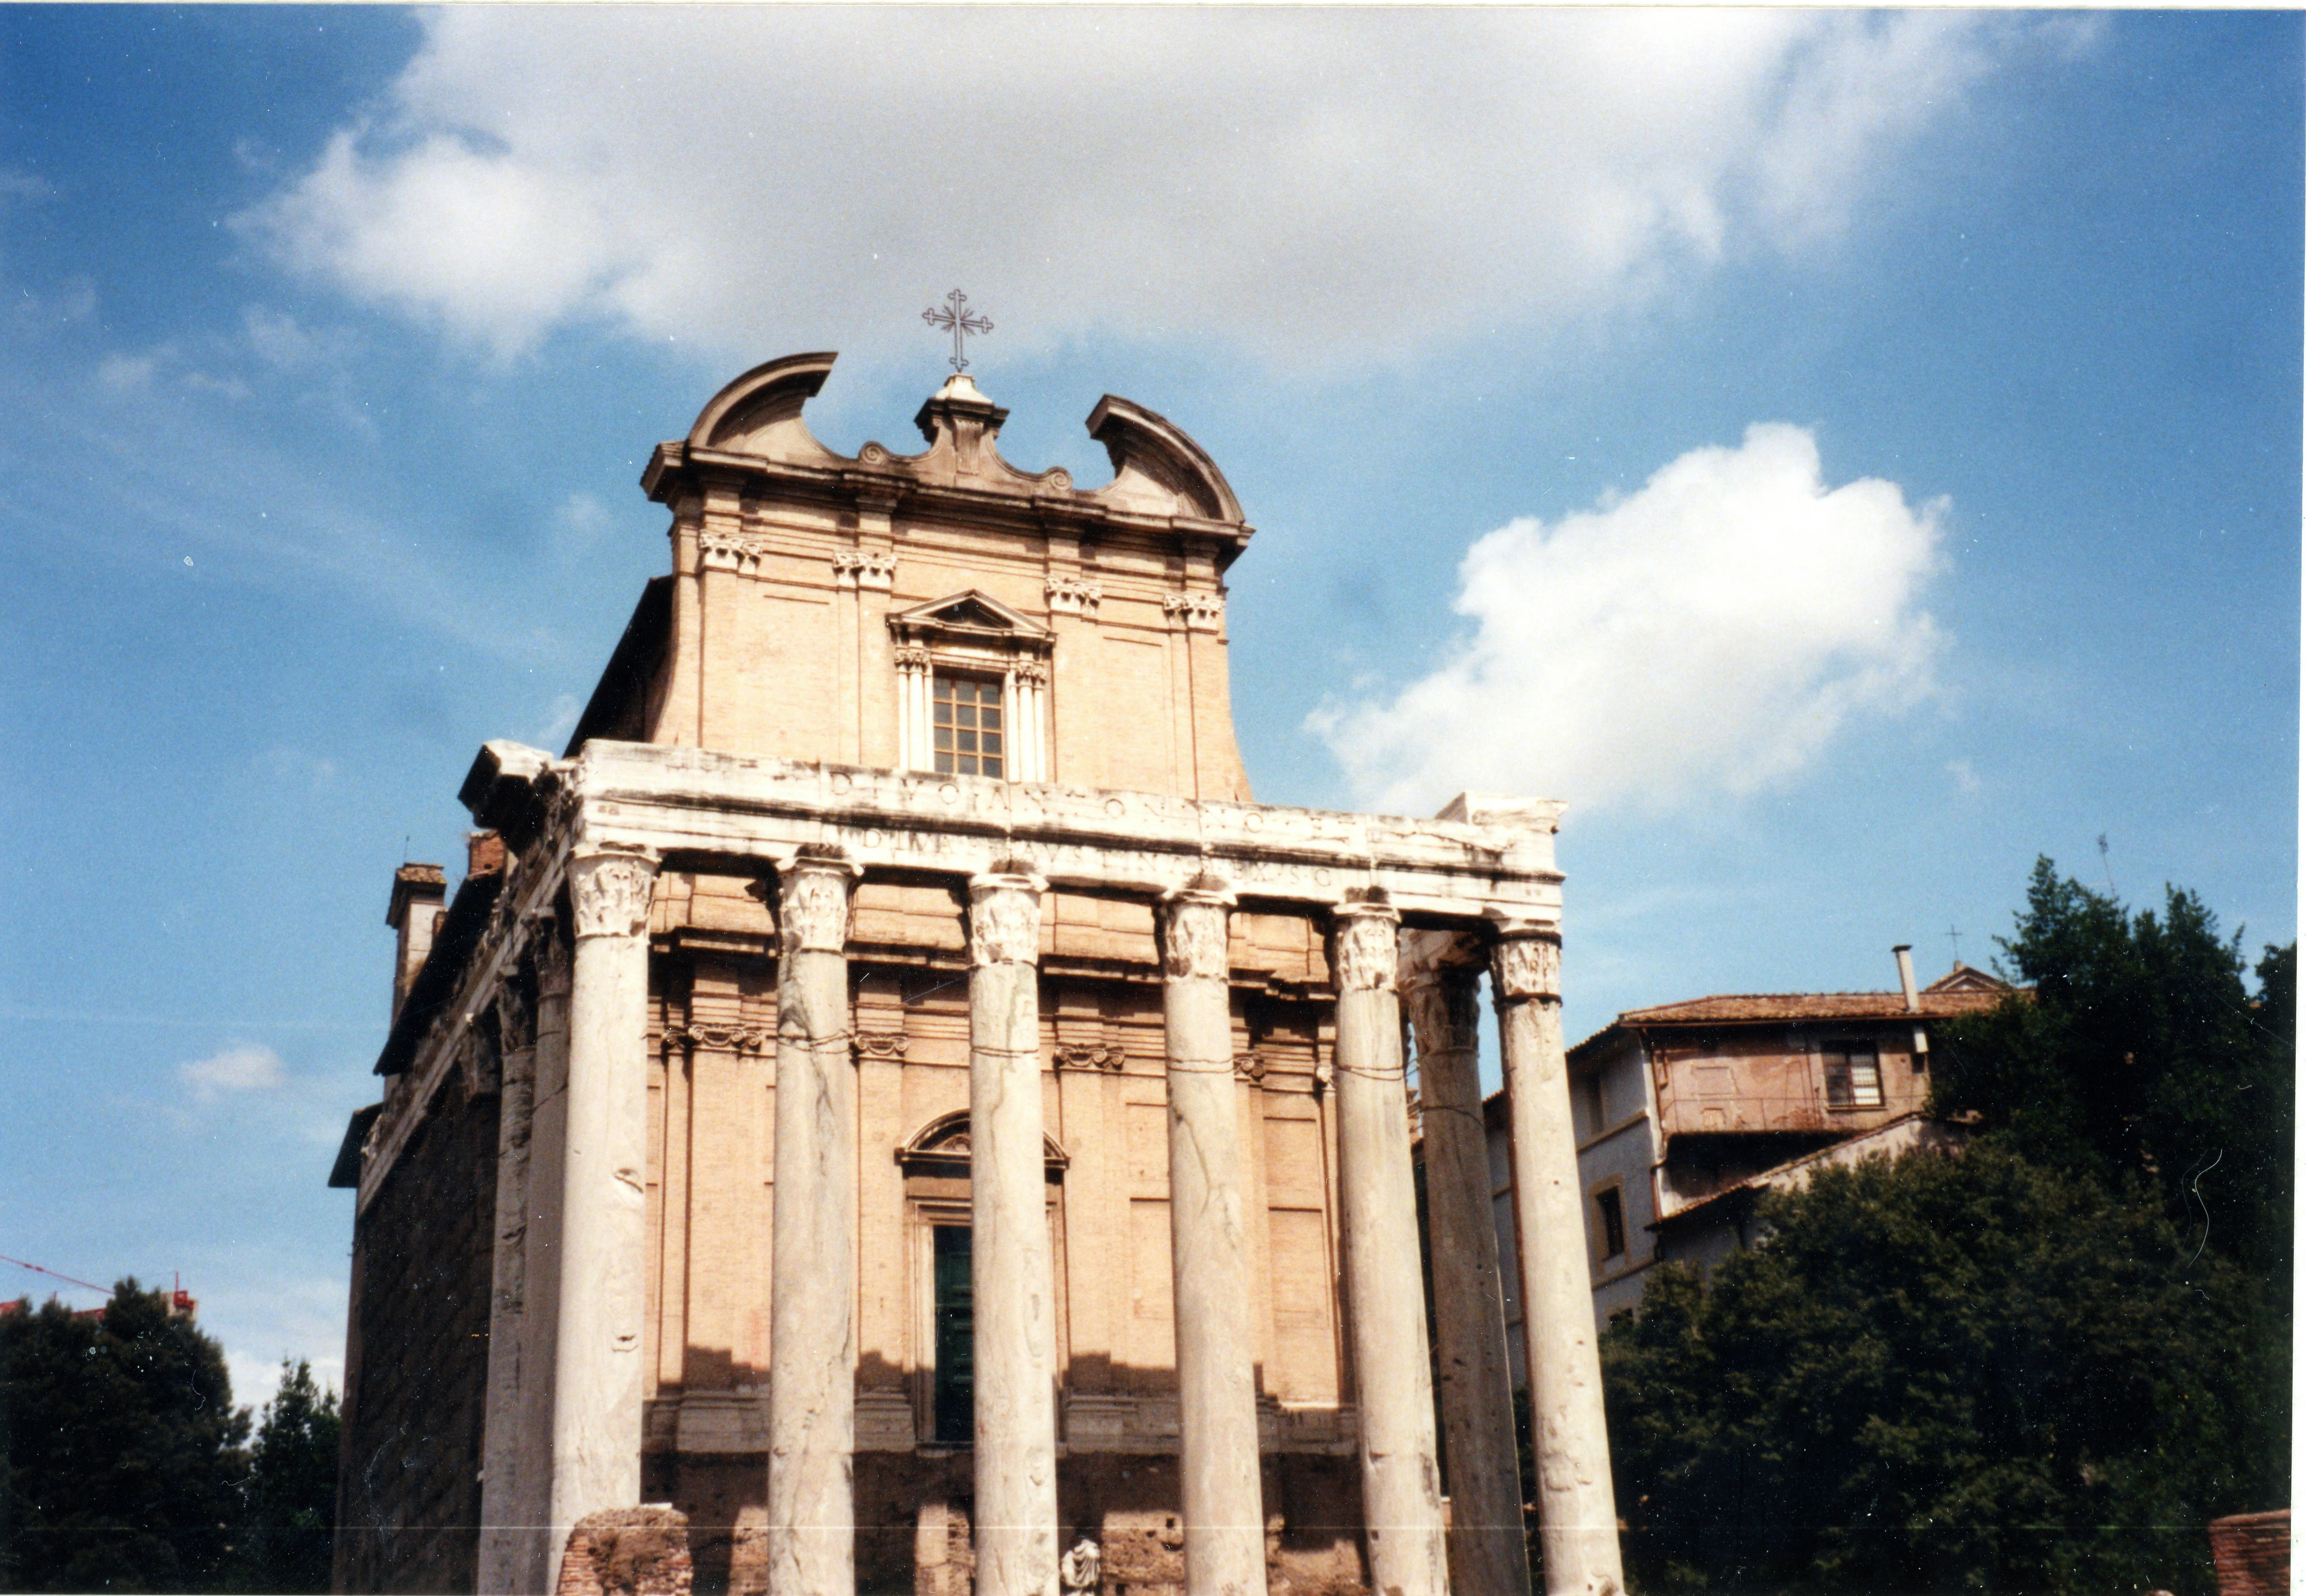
x,y
955,318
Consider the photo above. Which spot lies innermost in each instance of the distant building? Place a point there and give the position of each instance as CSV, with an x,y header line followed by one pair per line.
x,y
1686,1112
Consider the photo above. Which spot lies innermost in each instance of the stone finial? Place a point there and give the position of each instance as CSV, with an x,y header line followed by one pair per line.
x,y
610,891
813,906
1005,917
627,1551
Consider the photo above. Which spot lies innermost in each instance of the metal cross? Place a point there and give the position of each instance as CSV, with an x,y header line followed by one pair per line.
x,y
1953,935
955,319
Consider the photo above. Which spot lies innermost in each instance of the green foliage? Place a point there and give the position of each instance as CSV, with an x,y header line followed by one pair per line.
x,y
2142,1053
123,1450
1943,1374
288,1530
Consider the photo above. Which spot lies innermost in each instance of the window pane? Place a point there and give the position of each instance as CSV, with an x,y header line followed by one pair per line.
x,y
1865,1078
1613,1208
944,764
956,1381
1837,1080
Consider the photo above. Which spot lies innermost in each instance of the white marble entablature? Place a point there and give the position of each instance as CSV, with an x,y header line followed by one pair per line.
x,y
1489,872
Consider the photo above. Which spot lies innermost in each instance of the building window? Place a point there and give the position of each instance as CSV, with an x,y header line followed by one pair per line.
x,y
1609,1208
1853,1075
965,721
1596,1103
956,1375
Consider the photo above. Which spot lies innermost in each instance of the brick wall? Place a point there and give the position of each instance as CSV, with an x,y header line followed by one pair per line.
x,y
410,1492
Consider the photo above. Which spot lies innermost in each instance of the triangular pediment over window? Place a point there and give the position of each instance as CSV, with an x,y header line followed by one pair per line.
x,y
971,615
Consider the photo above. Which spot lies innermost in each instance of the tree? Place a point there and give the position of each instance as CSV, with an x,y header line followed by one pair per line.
x,y
289,1528
2141,1054
122,1449
1942,1374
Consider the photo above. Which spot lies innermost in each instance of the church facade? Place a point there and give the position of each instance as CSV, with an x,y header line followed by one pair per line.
x,y
887,1090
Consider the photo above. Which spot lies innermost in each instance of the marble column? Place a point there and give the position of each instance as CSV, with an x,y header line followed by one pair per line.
x,y
501,1532
813,1289
1576,1507
597,1366
1010,1271
1401,1485
1441,974
1216,1383
536,1560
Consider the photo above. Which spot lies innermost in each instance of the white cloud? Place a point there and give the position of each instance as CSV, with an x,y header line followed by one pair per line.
x,y
1708,634
1298,183
242,1067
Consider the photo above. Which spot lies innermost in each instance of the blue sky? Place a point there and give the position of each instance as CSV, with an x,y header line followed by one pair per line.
x,y
1844,455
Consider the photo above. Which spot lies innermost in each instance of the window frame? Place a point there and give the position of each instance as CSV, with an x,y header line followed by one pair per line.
x,y
1842,1079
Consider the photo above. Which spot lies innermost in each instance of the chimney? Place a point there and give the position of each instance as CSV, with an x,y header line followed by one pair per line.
x,y
1904,951
418,892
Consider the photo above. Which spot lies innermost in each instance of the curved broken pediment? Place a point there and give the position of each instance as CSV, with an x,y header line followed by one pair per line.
x,y
759,413
1157,468
944,1140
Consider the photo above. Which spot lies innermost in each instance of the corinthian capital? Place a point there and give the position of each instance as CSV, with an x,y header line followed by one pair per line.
x,y
609,891
813,906
1193,931
1364,947
1526,963
1005,917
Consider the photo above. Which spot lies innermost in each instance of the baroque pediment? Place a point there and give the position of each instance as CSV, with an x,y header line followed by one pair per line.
x,y
970,617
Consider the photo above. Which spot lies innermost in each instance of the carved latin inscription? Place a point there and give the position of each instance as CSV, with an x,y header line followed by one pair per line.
x,y
1527,966
1364,948
610,893
814,916
1004,918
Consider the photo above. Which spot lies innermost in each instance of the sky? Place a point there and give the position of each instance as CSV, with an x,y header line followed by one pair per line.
x,y
1845,455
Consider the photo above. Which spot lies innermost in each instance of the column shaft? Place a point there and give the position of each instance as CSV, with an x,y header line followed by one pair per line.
x,y
598,1374
1225,1525
501,1533
1012,1273
534,1565
813,1289
1576,1508
1401,1486
1487,1552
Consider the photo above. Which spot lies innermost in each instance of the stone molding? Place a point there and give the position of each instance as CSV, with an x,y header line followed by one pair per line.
x,y
1090,1055
1004,918
1364,948
880,1044
610,891
727,1039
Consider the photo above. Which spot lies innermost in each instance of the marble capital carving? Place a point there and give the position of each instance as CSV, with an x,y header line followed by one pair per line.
x,y
1004,918
515,1004
813,904
730,552
912,657
1088,1056
1193,935
610,893
1195,611
1528,965
1364,948
882,1044
1073,595
864,568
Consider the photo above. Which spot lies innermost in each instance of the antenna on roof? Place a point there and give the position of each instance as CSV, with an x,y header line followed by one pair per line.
x,y
2106,858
